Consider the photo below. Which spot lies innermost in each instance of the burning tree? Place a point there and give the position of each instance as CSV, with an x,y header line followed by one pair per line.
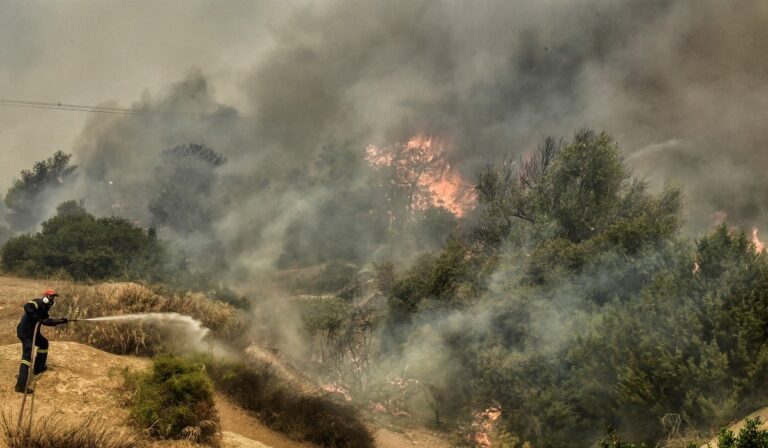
x,y
417,176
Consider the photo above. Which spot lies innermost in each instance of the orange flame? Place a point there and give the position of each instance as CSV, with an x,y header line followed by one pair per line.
x,y
484,424
420,166
759,245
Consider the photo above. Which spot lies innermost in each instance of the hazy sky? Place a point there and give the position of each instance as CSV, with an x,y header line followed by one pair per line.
x,y
90,52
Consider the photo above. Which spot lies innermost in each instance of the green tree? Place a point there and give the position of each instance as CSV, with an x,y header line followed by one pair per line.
x,y
86,247
582,191
25,198
185,181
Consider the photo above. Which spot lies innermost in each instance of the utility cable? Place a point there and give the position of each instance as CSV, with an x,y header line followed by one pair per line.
x,y
103,109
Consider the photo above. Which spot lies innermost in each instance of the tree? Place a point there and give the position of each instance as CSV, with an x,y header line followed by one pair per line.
x,y
346,219
510,191
185,181
408,174
582,190
85,247
24,197
566,239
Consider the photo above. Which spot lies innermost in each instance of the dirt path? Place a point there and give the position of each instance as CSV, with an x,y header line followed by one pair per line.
x,y
236,420
386,438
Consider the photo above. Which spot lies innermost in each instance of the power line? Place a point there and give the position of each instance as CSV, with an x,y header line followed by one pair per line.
x,y
102,109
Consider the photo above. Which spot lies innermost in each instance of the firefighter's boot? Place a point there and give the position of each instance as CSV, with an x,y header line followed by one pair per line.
x,y
40,360
21,380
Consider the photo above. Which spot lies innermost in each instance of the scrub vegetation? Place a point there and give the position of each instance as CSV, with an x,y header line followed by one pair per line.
x,y
566,300
174,400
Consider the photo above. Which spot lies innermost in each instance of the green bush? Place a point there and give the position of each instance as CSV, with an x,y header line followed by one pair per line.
x,y
86,248
174,400
750,436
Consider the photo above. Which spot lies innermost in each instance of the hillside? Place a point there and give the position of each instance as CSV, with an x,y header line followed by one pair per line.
x,y
736,427
85,383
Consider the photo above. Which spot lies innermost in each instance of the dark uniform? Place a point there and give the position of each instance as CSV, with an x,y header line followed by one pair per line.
x,y
34,311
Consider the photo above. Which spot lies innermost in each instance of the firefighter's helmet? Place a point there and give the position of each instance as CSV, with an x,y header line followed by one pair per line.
x,y
49,295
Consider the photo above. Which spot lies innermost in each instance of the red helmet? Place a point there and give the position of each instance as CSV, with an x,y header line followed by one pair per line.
x,y
50,293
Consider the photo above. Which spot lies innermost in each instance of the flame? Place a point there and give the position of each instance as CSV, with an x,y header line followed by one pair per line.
x,y
484,423
759,245
420,167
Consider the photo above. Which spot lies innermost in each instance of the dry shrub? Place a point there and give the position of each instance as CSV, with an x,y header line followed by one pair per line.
x,y
315,418
53,432
144,338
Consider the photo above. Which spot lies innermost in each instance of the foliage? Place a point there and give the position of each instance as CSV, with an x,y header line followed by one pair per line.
x,y
750,436
185,182
612,440
283,406
342,339
174,399
52,431
345,226
576,302
86,248
25,199
5,234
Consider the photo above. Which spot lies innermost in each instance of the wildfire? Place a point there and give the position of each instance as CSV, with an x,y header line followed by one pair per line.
x,y
484,424
759,245
719,218
420,170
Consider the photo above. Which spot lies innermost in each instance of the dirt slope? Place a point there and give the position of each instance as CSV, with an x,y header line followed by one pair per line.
x,y
736,427
83,382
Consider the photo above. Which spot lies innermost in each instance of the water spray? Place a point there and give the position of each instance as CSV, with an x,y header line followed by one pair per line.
x,y
194,329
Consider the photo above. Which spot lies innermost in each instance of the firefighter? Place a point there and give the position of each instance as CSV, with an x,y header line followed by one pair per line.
x,y
35,311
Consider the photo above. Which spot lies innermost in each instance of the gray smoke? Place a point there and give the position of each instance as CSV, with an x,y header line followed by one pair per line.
x,y
679,84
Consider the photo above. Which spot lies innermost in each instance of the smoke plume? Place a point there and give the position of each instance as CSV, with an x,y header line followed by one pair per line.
x,y
679,84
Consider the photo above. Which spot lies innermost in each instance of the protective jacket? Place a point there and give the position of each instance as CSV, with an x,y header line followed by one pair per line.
x,y
35,311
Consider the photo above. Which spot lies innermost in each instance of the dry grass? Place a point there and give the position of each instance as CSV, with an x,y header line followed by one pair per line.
x,y
140,338
53,432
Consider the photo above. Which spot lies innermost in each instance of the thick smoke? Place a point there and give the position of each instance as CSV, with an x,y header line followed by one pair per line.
x,y
678,83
